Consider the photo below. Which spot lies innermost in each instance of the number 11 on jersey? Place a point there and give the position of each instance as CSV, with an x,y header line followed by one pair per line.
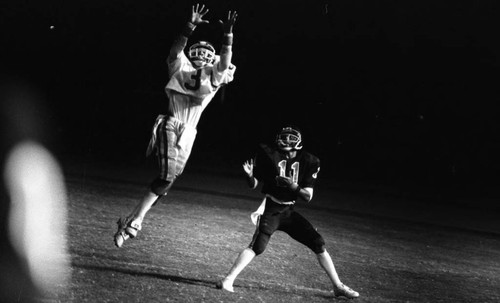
x,y
294,167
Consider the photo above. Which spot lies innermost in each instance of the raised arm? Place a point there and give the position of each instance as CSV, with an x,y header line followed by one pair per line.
x,y
248,168
197,14
226,52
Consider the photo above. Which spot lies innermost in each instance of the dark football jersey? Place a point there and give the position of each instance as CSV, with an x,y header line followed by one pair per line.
x,y
270,163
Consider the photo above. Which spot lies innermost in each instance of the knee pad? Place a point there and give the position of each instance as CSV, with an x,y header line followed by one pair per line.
x,y
160,186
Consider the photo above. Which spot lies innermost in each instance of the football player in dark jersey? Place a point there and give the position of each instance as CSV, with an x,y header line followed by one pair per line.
x,y
287,173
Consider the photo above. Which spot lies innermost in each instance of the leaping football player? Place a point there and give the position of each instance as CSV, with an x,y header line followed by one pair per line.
x,y
193,82
287,173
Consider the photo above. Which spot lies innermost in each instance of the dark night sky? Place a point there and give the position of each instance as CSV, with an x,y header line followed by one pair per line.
x,y
383,90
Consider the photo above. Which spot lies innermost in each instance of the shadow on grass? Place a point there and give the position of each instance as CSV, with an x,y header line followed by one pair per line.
x,y
137,272
210,283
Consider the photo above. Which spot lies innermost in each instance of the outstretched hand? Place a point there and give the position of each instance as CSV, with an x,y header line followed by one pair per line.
x,y
197,14
248,167
229,23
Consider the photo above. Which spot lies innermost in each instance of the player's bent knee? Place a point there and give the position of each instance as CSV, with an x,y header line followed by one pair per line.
x,y
258,246
318,245
160,186
259,243
258,250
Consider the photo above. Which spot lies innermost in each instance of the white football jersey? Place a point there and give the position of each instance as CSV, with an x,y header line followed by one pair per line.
x,y
190,90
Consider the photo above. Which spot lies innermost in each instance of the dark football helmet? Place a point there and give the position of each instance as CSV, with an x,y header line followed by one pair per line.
x,y
289,138
201,53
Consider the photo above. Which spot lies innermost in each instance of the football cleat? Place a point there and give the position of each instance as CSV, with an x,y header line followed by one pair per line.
x,y
126,229
120,238
132,228
345,291
225,285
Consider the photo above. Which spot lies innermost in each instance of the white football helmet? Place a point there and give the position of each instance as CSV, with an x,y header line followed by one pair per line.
x,y
201,53
289,138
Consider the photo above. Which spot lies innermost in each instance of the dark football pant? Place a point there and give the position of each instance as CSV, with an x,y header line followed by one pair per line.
x,y
284,218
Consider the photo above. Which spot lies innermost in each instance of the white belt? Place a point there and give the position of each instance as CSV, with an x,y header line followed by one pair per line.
x,y
279,201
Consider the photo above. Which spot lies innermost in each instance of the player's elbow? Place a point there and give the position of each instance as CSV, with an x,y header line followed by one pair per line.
x,y
223,66
308,194
225,61
252,182
172,56
255,184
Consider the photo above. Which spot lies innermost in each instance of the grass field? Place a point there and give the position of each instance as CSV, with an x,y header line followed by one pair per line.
x,y
190,240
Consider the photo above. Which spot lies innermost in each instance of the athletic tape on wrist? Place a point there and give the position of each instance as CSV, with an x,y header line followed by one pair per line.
x,y
188,29
228,39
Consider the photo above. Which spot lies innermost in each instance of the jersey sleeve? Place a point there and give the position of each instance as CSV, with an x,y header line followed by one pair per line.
x,y
176,64
222,77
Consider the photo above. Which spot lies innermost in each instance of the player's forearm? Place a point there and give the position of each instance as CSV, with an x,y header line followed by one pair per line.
x,y
181,41
226,53
304,193
251,181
